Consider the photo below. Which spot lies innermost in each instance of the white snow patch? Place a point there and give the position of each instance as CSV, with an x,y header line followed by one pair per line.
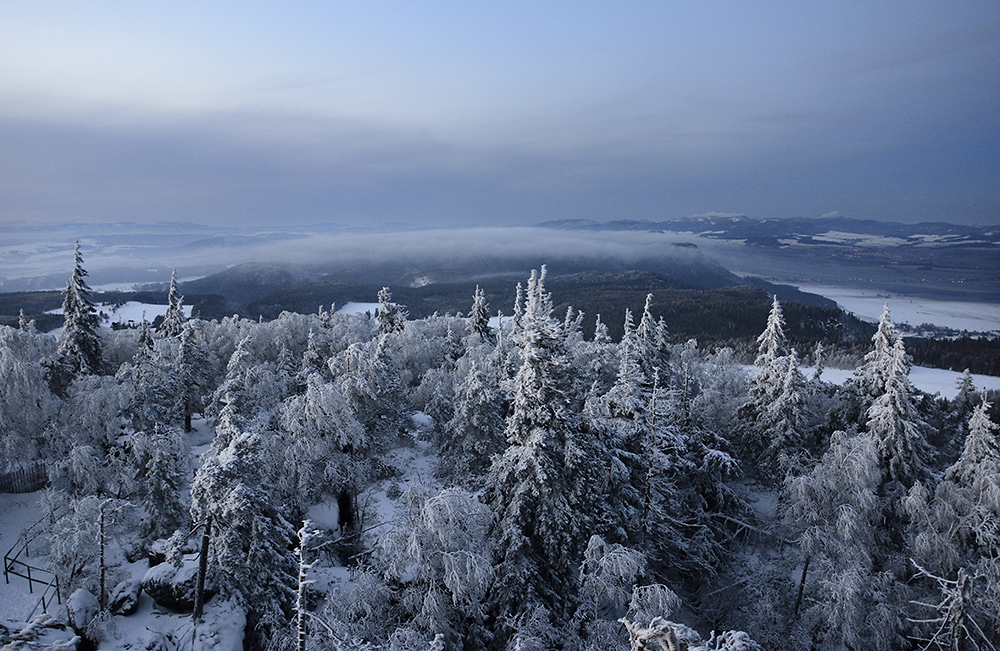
x,y
17,513
929,380
325,515
867,304
860,239
360,308
130,313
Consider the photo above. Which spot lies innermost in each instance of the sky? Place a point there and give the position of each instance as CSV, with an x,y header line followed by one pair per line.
x,y
466,113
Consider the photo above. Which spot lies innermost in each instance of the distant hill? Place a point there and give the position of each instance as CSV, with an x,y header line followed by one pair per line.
x,y
932,259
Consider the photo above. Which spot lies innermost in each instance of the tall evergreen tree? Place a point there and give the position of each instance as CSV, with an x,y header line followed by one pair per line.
x,y
390,316
479,316
895,425
771,343
249,537
173,320
539,531
761,441
80,341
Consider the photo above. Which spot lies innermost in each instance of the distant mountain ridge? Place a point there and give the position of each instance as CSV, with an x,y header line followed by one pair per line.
x,y
798,229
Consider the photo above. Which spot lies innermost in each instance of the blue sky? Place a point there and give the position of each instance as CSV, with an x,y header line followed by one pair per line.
x,y
497,113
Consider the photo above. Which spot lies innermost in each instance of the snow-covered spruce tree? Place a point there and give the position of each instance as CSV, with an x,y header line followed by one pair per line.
x,y
869,380
27,403
390,317
80,339
436,557
370,383
173,320
770,414
320,435
532,486
475,431
652,344
622,418
958,531
788,418
313,361
772,344
249,536
723,389
251,389
843,598
160,459
156,395
479,316
895,425
193,370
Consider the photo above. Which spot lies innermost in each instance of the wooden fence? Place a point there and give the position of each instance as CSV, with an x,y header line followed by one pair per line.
x,y
24,480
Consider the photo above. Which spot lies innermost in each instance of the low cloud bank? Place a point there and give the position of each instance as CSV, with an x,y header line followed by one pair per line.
x,y
43,260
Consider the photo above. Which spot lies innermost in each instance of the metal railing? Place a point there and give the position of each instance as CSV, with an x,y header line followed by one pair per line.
x,y
45,578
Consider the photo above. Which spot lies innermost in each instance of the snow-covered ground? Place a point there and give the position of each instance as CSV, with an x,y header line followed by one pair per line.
x,y
223,626
867,304
930,380
131,312
17,513
359,308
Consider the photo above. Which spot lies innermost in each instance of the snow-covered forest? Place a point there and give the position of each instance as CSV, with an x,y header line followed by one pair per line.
x,y
356,481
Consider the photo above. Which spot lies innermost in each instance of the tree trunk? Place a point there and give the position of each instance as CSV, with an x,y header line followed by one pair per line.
x,y
199,595
104,570
802,585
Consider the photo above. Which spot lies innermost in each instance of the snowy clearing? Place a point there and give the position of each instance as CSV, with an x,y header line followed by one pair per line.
x,y
929,380
131,313
867,304
359,308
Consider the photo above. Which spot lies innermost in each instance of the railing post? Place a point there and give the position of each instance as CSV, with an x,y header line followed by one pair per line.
x,y
58,597
29,579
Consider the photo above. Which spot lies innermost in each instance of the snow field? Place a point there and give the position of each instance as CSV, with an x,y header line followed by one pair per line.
x,y
867,304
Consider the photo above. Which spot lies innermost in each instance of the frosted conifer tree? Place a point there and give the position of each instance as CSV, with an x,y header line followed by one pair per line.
x,y
193,369
479,316
967,397
538,533
786,420
161,458
80,340
842,595
871,377
759,441
24,325
173,320
622,420
895,425
322,431
818,363
390,317
475,431
771,343
250,538
601,335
